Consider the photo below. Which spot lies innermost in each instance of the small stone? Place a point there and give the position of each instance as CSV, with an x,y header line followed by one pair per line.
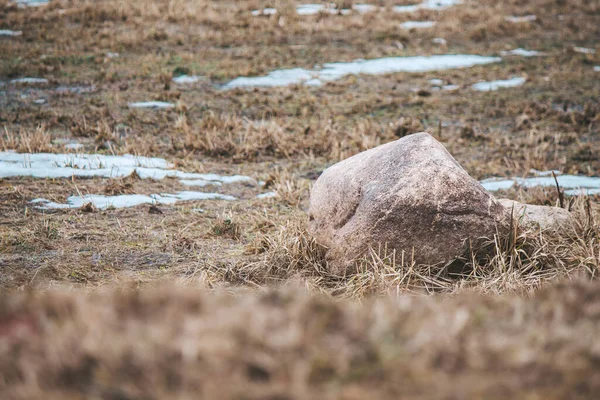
x,y
542,217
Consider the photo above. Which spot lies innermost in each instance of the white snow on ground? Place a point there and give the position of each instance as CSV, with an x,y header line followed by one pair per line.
x,y
439,40
28,80
266,11
73,146
284,77
152,104
436,82
575,183
597,68
523,18
112,55
8,32
450,88
268,195
31,3
333,71
45,165
128,200
313,9
417,24
331,8
183,79
521,52
365,8
495,85
584,50
427,5
580,192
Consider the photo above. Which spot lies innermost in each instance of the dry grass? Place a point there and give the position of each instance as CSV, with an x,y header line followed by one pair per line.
x,y
284,344
519,262
493,327
26,141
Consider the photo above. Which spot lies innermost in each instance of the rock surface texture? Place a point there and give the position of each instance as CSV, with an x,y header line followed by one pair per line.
x,y
410,195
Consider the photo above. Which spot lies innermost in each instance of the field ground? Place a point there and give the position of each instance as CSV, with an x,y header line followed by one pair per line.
x,y
234,300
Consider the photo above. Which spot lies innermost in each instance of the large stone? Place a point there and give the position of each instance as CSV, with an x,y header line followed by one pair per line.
x,y
410,195
537,217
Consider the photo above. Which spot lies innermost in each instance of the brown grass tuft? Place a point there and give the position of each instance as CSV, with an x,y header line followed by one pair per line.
x,y
26,141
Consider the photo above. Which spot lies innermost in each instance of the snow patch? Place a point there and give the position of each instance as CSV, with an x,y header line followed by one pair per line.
x,y
128,200
573,182
521,19
152,104
450,88
268,195
439,40
266,11
365,8
46,165
185,79
427,5
31,3
331,8
334,71
417,24
28,80
495,85
597,68
584,50
521,52
582,192
314,9
8,32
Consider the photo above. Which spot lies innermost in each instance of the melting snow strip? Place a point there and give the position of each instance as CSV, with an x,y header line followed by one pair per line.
x,y
31,3
523,18
365,8
597,68
184,79
268,195
417,24
521,52
573,182
152,104
331,8
266,11
450,88
8,32
427,5
495,85
28,80
334,71
584,50
128,200
580,192
45,165
314,9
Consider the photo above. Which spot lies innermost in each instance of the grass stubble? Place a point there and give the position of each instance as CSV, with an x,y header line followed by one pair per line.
x,y
235,300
